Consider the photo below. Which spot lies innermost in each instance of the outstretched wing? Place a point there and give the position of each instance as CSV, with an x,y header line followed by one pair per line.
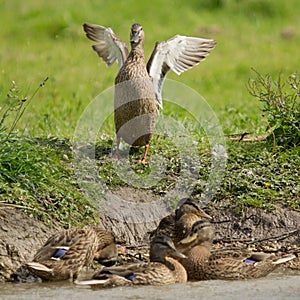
x,y
110,48
178,54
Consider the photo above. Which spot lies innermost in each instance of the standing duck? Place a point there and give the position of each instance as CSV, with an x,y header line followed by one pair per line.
x,y
163,268
138,86
67,252
202,263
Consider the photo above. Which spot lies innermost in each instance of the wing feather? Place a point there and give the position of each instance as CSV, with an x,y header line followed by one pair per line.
x,y
109,47
178,54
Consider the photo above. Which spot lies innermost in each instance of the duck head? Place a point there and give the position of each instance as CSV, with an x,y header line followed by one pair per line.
x,y
162,247
190,206
136,35
202,231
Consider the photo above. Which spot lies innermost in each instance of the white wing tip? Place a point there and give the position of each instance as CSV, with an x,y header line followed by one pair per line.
x,y
38,266
284,259
92,282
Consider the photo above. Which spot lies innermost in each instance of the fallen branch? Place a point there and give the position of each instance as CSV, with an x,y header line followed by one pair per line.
x,y
278,237
253,241
16,205
241,137
238,134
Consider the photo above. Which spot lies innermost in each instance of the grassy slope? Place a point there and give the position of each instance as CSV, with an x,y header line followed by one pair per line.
x,y
45,38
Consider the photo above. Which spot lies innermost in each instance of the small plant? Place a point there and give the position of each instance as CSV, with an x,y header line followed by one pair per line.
x,y
281,107
17,104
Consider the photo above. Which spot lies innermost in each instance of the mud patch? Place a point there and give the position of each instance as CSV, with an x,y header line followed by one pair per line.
x,y
135,195
20,237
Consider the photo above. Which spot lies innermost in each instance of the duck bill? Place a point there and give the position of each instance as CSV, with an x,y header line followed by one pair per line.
x,y
134,39
177,254
204,215
189,239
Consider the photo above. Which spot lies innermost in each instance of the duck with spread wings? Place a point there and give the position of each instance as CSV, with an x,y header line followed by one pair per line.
x,y
138,86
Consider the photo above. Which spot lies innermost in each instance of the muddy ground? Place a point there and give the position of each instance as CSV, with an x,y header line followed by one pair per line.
x,y
21,235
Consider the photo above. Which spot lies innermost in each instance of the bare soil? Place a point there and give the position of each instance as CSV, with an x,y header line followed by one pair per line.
x,y
20,237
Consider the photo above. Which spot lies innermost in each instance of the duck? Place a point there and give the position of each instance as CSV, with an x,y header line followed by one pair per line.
x,y
138,86
66,252
163,268
185,216
203,263
178,224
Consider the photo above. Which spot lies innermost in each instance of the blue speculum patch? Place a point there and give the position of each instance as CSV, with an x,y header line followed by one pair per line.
x,y
131,277
249,261
59,253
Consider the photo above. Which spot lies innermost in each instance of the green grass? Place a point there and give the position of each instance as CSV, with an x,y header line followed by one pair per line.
x,y
35,175
261,178
45,39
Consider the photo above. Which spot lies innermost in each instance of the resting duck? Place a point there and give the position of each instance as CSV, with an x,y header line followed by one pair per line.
x,y
178,225
138,87
163,268
67,252
202,263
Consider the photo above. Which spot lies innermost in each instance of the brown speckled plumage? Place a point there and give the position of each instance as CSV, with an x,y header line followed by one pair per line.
x,y
138,86
178,225
163,268
203,264
135,102
81,246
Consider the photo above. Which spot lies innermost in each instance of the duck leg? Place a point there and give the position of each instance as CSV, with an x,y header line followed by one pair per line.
x,y
144,159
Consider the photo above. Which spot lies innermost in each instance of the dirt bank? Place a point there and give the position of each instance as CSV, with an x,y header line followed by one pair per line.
x,y
21,235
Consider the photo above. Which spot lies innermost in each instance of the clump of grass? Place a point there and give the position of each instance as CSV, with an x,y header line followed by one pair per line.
x,y
281,107
35,174
257,177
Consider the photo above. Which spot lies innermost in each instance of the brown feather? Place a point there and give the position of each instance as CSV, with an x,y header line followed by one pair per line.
x,y
203,264
82,244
